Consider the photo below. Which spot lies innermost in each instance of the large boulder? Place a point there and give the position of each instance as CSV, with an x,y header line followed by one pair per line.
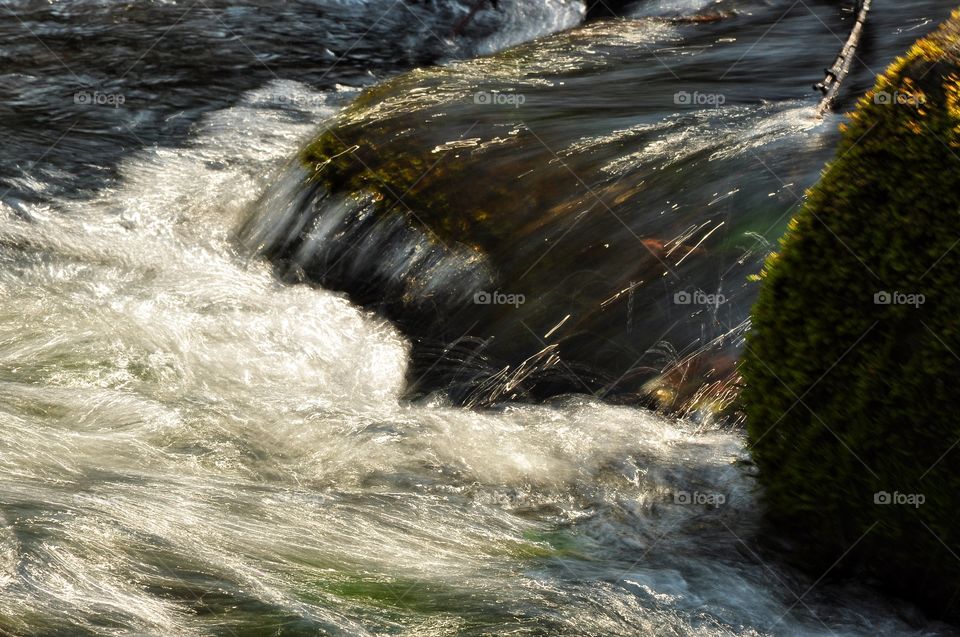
x,y
851,366
537,225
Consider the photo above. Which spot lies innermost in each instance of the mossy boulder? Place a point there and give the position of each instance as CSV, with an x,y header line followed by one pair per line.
x,y
537,227
851,366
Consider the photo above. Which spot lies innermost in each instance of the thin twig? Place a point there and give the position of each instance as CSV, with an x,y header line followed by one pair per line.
x,y
830,86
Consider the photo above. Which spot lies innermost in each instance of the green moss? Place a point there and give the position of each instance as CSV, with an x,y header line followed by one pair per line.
x,y
387,151
364,158
846,398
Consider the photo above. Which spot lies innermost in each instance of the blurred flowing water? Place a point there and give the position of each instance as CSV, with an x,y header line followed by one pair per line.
x,y
190,445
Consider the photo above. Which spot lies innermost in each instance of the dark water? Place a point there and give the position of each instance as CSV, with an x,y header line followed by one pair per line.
x,y
172,62
191,446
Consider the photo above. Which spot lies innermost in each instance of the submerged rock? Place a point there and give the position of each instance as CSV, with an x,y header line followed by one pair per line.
x,y
538,227
851,366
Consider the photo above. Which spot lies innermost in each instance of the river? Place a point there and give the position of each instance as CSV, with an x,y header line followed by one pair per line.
x,y
192,445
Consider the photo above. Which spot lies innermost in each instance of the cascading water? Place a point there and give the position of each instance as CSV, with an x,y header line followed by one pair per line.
x,y
191,446
610,227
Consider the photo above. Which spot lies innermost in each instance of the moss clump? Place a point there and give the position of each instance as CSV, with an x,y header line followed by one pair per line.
x,y
851,402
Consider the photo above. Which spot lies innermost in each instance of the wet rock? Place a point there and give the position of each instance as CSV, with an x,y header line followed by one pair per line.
x,y
531,245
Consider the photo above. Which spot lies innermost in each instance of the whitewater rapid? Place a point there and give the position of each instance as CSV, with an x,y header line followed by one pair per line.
x,y
190,447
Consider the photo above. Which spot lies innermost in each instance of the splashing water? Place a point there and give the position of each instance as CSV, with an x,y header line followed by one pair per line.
x,y
190,447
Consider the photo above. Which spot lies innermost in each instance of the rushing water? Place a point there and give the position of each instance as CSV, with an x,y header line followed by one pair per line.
x,y
189,446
